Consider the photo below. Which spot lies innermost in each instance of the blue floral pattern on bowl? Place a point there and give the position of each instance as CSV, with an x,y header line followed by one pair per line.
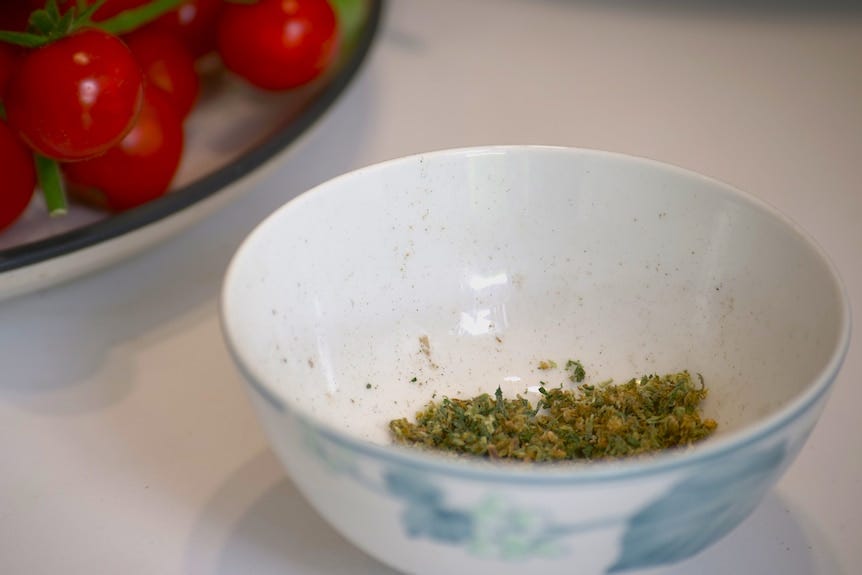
x,y
669,529
492,528
698,510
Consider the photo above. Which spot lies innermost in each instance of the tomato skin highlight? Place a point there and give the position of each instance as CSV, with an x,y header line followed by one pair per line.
x,y
76,97
17,176
167,63
278,44
141,167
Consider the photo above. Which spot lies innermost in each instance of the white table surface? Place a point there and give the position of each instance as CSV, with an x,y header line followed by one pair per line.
x,y
127,444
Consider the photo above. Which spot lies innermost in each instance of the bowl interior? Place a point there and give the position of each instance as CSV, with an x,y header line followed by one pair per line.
x,y
452,273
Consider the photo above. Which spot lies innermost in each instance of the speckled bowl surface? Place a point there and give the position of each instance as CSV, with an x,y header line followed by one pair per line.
x,y
454,272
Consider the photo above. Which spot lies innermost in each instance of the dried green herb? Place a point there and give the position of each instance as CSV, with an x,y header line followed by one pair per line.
x,y
641,416
577,370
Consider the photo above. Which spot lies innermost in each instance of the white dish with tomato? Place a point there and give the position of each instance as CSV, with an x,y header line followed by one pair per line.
x,y
108,110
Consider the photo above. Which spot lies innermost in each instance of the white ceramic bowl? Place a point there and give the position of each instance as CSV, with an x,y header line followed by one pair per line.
x,y
502,257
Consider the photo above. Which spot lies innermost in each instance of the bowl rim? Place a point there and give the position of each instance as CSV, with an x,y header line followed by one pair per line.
x,y
562,472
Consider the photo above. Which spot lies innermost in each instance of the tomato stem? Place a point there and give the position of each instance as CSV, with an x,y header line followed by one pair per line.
x,y
51,182
49,24
23,39
129,20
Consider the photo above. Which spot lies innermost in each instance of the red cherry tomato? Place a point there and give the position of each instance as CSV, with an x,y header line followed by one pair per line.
x,y
9,55
167,64
194,22
14,15
17,176
76,97
141,167
278,44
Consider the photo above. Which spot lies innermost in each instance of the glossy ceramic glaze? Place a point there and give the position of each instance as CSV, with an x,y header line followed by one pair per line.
x,y
455,272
